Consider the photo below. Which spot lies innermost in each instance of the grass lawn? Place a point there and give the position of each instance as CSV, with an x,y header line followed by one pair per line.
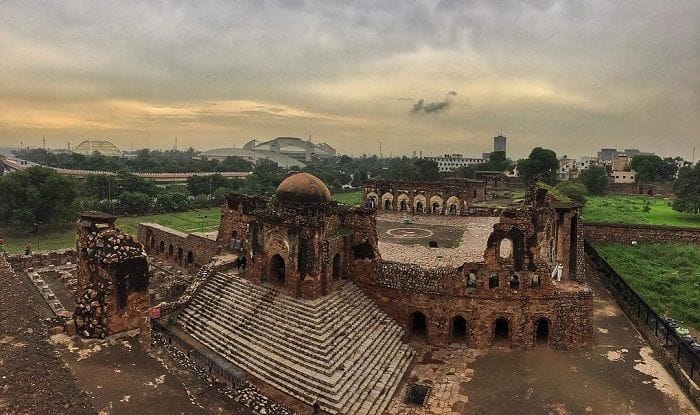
x,y
352,198
666,275
63,236
630,209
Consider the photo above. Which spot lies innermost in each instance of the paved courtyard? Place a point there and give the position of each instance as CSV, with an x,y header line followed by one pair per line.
x,y
408,243
618,375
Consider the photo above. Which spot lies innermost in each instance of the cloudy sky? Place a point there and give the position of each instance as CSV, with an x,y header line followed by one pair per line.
x,y
571,76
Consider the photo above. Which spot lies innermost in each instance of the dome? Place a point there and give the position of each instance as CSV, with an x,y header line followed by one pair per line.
x,y
303,188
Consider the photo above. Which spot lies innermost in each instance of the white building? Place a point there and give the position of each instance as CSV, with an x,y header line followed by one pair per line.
x,y
621,176
567,169
449,162
587,162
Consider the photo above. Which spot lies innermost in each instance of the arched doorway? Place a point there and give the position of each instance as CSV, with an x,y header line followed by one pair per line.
x,y
459,329
404,206
419,207
171,250
436,207
453,210
419,326
501,331
180,255
190,258
387,205
542,331
337,270
277,270
161,247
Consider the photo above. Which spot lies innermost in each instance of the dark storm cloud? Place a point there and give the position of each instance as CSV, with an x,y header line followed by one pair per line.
x,y
432,107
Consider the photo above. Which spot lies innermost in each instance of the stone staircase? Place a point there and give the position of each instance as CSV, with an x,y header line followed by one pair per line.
x,y
341,350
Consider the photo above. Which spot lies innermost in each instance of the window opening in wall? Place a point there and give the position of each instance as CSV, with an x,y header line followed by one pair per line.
x,y
501,331
419,327
514,282
542,331
493,281
471,279
459,329
505,248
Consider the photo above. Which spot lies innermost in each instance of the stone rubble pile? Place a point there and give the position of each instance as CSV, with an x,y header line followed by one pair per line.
x,y
202,276
90,314
111,246
247,394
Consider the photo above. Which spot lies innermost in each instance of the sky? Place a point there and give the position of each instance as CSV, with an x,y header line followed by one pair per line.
x,y
432,76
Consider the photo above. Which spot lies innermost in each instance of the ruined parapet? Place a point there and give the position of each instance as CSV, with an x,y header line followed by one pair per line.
x,y
112,291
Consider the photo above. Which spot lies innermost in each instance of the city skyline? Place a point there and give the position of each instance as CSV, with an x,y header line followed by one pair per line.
x,y
439,77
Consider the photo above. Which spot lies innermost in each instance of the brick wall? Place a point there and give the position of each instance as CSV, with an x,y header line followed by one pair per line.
x,y
651,189
188,250
43,259
624,233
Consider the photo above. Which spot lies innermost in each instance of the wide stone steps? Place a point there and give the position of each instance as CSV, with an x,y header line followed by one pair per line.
x,y
341,350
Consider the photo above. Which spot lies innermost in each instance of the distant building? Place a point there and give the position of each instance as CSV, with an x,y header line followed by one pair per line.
x,y
252,156
587,162
104,148
607,154
567,168
620,163
621,176
632,152
499,143
296,148
450,162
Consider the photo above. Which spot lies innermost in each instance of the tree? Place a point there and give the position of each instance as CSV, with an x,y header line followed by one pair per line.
x,y
595,179
359,178
426,170
687,190
573,190
650,168
498,162
36,195
541,163
203,185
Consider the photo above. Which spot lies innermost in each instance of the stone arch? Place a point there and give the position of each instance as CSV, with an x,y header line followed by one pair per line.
x,y
337,269
171,250
505,248
180,254
419,203
436,204
387,201
542,330
190,258
372,199
277,269
418,325
403,202
458,329
453,205
161,247
501,331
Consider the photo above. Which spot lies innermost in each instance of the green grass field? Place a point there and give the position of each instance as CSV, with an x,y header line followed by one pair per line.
x,y
666,275
352,198
630,209
63,236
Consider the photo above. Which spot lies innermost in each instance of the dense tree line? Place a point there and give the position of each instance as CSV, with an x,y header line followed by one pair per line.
x,y
145,161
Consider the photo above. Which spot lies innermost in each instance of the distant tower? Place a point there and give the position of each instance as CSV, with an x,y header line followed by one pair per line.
x,y
499,143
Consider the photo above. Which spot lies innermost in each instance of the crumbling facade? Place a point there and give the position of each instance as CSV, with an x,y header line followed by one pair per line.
x,y
183,249
112,278
450,196
528,288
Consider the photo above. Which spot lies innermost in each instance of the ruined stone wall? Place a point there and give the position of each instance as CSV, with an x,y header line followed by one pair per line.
x,y
651,189
42,259
568,315
602,233
112,279
188,250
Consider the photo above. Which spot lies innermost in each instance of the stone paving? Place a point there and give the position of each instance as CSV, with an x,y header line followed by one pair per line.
x,y
471,246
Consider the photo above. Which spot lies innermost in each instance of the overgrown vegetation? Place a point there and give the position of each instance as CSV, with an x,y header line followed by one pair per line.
x,y
666,275
636,210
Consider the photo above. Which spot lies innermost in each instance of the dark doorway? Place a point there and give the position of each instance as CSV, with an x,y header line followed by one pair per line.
x,y
542,331
650,192
501,331
171,250
419,327
453,209
180,255
387,205
403,206
514,282
190,258
161,247
277,270
436,207
573,247
337,270
459,329
493,281
419,207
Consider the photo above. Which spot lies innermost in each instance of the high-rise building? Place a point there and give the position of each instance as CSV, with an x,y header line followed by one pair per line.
x,y
499,143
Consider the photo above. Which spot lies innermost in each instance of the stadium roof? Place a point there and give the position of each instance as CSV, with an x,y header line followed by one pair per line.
x,y
105,148
252,155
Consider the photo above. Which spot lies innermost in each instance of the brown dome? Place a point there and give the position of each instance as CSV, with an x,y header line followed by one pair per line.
x,y
303,188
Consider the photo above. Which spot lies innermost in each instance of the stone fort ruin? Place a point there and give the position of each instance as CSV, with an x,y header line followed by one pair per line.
x,y
314,310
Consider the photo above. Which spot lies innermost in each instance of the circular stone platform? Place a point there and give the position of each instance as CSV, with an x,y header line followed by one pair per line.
x,y
408,233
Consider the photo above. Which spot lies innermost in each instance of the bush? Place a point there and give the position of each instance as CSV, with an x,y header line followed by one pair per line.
x,y
573,190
